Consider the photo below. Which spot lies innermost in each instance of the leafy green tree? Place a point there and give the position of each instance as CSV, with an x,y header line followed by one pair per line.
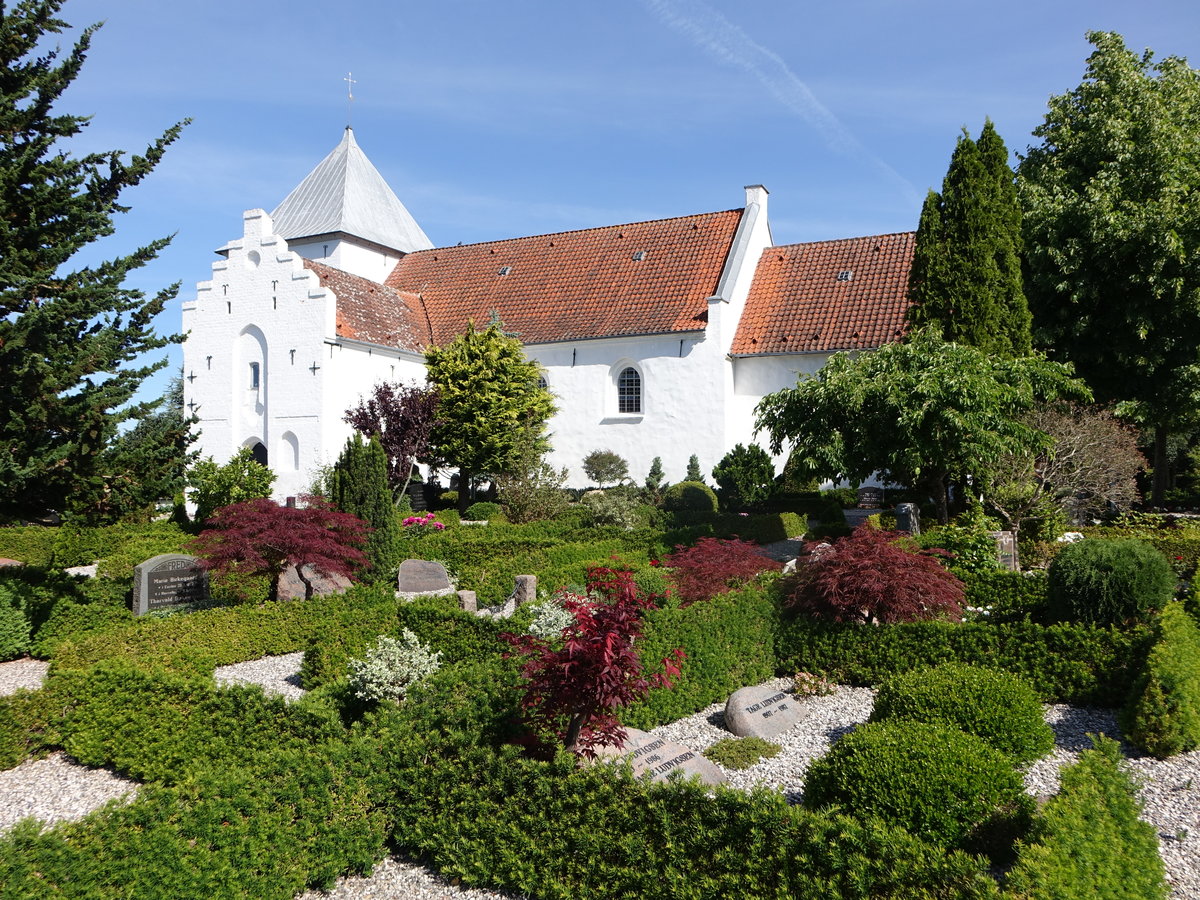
x,y
490,404
71,337
745,475
966,269
922,413
358,485
1112,234
147,463
604,466
240,479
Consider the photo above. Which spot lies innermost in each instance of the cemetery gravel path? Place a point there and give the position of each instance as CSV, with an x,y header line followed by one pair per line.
x,y
56,789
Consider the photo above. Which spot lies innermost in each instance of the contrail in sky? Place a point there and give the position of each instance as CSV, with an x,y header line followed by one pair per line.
x,y
719,37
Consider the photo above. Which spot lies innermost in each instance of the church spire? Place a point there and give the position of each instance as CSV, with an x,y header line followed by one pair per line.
x,y
345,194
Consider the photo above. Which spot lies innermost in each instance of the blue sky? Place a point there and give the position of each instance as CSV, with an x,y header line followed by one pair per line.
x,y
494,119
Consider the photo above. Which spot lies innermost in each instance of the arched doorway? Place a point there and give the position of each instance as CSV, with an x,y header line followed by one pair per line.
x,y
259,452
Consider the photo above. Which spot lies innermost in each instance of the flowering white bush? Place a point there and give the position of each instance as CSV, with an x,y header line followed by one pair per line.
x,y
549,620
392,667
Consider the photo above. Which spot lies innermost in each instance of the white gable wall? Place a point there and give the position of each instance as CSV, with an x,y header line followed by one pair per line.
x,y
360,258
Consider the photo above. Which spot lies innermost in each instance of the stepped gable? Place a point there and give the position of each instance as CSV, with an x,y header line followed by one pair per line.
x,y
372,312
827,296
620,280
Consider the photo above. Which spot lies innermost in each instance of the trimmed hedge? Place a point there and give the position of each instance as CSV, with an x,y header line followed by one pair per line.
x,y
1066,663
996,706
1088,843
689,496
730,642
198,642
1007,596
29,725
936,781
1163,714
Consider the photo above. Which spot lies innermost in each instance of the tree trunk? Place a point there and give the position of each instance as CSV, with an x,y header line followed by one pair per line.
x,y
308,588
465,477
1161,465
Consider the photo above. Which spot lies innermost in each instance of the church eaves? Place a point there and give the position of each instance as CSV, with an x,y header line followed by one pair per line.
x,y
346,194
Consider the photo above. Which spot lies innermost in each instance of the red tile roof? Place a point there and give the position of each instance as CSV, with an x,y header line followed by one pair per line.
x,y
576,285
372,312
826,296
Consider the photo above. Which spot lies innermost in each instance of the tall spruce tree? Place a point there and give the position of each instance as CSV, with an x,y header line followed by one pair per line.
x,y
72,338
358,485
966,270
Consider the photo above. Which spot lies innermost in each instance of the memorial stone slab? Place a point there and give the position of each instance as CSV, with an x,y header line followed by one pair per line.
x,y
418,577
168,581
908,518
662,758
762,712
1006,550
292,588
870,497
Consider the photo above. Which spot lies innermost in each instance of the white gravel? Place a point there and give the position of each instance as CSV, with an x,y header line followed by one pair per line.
x,y
57,789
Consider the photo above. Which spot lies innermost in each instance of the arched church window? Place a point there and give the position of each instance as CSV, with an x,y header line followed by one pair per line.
x,y
629,391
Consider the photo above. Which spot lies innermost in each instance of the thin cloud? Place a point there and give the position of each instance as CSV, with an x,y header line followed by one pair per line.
x,y
720,38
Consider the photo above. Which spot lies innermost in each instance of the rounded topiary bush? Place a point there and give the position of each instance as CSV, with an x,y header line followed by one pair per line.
x,y
1108,582
483,510
998,707
695,496
942,784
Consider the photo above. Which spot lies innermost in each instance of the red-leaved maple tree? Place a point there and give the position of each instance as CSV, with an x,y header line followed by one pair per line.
x,y
714,566
402,417
260,537
868,577
574,690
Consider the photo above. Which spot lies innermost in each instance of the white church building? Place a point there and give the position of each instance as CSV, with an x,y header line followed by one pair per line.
x,y
657,338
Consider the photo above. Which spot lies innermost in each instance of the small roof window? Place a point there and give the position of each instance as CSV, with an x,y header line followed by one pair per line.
x,y
845,275
504,270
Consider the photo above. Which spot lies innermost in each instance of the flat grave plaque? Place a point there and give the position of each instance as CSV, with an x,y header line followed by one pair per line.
x,y
762,712
661,758
168,581
421,576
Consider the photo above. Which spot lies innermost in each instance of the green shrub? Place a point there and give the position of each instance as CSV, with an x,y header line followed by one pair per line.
x,y
391,667
30,544
1088,843
29,725
844,497
746,476
14,627
740,753
214,486
690,496
1066,663
1163,715
941,783
972,551
611,508
1109,582
730,642
997,706
484,510
447,500
1003,596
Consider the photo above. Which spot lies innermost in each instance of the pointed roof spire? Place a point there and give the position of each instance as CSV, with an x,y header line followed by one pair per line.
x,y
345,193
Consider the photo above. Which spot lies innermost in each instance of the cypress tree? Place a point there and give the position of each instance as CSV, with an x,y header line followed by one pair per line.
x,y
358,485
966,270
72,338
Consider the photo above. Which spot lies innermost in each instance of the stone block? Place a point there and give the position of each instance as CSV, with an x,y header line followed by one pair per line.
x,y
762,712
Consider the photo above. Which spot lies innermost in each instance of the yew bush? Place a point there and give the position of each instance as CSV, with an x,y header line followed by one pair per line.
x,y
714,566
260,537
868,577
574,691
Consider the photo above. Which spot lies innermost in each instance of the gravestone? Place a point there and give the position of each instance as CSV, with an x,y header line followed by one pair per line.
x,y
419,577
292,588
870,497
468,600
762,712
1006,550
168,581
662,758
907,518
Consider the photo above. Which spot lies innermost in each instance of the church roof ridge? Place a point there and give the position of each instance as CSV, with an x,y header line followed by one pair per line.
x,y
345,193
578,231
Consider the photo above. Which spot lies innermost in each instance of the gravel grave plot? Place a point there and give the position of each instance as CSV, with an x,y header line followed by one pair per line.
x,y
274,674
57,789
395,878
27,674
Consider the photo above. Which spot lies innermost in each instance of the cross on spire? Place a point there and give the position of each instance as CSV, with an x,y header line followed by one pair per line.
x,y
350,83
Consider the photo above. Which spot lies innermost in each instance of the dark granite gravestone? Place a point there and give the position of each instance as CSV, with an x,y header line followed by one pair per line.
x,y
168,581
662,759
870,497
1006,550
907,518
762,712
421,576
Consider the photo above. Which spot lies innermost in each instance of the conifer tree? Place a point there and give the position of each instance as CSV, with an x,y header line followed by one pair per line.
x,y
72,338
966,269
358,485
